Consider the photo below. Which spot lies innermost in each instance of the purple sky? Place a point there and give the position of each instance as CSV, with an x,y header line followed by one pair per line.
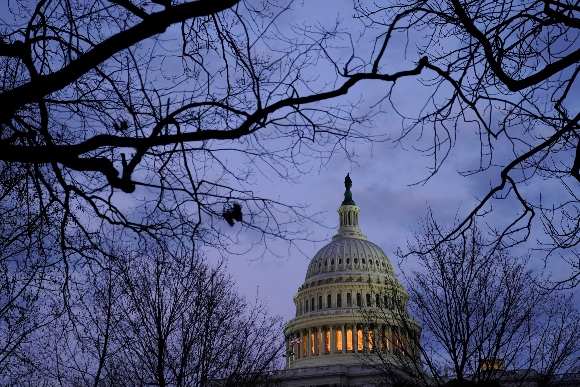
x,y
384,176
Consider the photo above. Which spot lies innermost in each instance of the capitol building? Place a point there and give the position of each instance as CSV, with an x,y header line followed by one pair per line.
x,y
351,313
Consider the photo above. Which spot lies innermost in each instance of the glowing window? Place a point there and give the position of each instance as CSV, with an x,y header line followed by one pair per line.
x,y
359,338
304,346
327,341
349,345
339,340
312,344
370,338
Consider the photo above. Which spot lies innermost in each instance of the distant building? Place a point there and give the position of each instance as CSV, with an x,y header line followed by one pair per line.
x,y
326,340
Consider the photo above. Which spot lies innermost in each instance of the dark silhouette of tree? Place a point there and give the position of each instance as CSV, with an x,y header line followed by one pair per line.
x,y
486,319
506,71
155,318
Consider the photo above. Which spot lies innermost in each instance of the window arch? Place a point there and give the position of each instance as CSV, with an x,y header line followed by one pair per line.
x,y
368,299
340,261
356,260
329,301
338,300
358,299
332,262
377,301
312,305
348,261
348,299
307,306
363,261
370,261
319,302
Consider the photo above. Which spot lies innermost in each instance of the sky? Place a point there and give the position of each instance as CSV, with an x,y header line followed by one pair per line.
x,y
387,186
386,179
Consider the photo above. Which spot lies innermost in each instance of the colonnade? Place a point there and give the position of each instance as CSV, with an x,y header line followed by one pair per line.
x,y
343,338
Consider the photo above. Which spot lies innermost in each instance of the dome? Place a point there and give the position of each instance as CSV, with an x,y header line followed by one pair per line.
x,y
347,254
347,278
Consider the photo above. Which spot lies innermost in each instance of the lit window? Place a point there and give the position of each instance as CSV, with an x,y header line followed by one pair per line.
x,y
312,344
370,338
359,338
327,341
339,340
304,346
349,345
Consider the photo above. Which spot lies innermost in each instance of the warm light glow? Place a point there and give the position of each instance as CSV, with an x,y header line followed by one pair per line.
x,y
339,341
349,339
371,344
304,346
359,336
312,343
327,341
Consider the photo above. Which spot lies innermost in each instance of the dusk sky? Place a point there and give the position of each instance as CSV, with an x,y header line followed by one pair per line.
x,y
387,181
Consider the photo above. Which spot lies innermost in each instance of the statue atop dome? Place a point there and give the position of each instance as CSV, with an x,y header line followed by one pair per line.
x,y
347,194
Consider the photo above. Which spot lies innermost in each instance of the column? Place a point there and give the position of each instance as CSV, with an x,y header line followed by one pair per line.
x,y
321,338
355,338
332,339
343,338
308,343
287,352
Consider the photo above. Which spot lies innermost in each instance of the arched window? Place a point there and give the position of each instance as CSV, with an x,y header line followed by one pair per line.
x,y
358,301
329,301
377,301
348,299
326,263
348,261
312,304
370,261
356,260
340,261
338,300
306,306
368,299
363,261
319,302
332,262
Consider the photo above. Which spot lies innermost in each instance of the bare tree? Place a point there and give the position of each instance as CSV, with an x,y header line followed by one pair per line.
x,y
185,325
506,71
485,317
